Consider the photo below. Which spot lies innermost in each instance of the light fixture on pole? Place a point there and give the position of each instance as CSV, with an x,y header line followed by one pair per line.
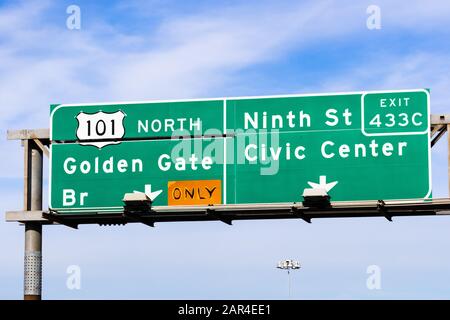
x,y
289,265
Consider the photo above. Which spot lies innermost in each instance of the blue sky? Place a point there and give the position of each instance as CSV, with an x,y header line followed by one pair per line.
x,y
134,50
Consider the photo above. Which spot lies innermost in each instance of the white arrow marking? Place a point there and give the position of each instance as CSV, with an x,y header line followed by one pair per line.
x,y
148,192
323,184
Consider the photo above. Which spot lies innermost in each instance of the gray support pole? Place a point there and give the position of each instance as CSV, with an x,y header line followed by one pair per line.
x,y
289,284
448,152
33,230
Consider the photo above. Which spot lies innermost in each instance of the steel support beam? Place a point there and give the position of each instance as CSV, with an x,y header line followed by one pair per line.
x,y
440,119
33,230
26,134
228,213
25,216
437,133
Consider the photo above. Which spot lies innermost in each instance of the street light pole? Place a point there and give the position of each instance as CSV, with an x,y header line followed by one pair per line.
x,y
289,284
289,265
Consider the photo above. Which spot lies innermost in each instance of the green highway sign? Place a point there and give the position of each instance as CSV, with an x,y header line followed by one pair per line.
x,y
248,150
138,120
90,178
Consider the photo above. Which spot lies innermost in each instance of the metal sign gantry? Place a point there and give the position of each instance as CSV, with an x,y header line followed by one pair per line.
x,y
36,142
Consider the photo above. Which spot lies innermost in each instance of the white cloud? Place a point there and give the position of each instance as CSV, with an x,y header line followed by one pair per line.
x,y
386,71
44,63
185,56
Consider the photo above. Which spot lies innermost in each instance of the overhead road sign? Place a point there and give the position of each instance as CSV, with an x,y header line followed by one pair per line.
x,y
249,150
